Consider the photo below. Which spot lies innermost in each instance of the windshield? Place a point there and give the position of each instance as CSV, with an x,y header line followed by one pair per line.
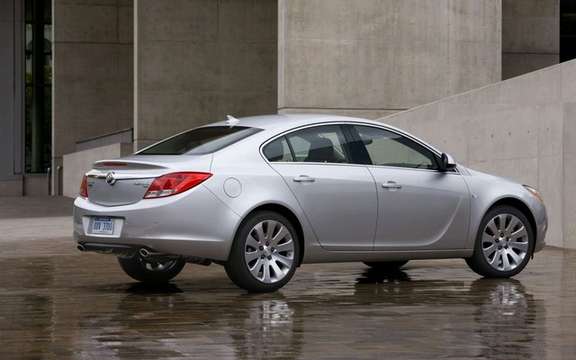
x,y
200,141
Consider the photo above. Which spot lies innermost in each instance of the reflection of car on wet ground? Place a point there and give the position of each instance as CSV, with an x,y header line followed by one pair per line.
x,y
263,195
487,318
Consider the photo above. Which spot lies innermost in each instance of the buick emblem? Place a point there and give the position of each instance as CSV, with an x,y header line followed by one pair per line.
x,y
110,179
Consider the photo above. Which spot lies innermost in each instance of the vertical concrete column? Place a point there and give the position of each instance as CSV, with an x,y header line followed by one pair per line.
x,y
198,60
11,96
530,35
568,178
375,57
93,75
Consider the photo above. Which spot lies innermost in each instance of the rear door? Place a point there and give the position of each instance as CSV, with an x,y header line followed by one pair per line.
x,y
419,207
338,198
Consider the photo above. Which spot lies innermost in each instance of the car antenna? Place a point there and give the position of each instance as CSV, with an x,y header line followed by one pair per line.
x,y
231,120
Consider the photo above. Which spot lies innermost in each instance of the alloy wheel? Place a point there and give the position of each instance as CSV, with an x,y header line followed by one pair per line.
x,y
505,242
269,251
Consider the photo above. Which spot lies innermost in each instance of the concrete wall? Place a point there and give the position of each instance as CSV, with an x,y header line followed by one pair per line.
x,y
530,35
523,128
11,97
374,57
36,185
198,60
78,163
93,88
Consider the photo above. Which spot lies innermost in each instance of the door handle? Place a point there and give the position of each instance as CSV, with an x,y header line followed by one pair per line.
x,y
391,185
303,178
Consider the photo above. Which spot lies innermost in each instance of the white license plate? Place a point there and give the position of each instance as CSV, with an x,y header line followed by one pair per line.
x,y
102,226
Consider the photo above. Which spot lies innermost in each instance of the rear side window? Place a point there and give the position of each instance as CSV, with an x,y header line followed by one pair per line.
x,y
200,141
278,151
320,144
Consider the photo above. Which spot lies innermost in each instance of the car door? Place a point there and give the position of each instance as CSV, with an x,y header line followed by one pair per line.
x,y
338,198
419,207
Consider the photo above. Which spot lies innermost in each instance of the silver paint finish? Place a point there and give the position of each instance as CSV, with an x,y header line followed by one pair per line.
x,y
425,210
232,187
338,192
347,212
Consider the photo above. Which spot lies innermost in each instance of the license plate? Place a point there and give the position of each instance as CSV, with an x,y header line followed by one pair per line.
x,y
102,226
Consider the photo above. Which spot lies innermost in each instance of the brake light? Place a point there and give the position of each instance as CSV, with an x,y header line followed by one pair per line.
x,y
175,183
84,187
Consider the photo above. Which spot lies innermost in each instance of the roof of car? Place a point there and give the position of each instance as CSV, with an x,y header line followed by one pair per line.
x,y
283,122
289,121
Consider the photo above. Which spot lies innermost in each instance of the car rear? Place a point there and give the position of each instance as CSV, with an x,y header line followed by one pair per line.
x,y
157,199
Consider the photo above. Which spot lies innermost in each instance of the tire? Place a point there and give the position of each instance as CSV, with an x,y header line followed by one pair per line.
x,y
386,266
513,243
143,270
258,262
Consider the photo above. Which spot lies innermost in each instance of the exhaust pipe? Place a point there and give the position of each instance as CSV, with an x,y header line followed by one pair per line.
x,y
151,254
145,253
81,247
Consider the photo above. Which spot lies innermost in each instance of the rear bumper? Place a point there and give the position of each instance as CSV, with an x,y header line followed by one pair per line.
x,y
194,223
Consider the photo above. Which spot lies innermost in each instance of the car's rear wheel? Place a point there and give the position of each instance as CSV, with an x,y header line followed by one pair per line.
x,y
265,253
504,243
386,265
151,271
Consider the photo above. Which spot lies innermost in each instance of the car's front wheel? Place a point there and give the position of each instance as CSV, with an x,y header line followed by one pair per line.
x,y
151,271
264,255
504,243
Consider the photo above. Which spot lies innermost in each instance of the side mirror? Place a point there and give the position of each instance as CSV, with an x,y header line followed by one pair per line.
x,y
446,162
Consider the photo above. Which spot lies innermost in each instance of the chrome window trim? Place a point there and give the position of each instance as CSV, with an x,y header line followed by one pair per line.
x,y
352,123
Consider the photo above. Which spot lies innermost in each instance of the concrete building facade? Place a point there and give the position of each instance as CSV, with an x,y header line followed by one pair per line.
x,y
93,72
126,73
375,57
140,70
11,97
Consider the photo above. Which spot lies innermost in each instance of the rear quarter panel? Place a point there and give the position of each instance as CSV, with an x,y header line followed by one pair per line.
x,y
241,166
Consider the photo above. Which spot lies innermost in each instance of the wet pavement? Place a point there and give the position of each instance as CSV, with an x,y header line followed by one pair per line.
x,y
56,303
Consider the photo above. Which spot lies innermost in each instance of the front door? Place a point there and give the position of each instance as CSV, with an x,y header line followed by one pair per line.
x,y
419,207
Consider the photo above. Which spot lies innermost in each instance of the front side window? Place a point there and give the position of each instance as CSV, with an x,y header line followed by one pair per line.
x,y
386,148
320,144
204,140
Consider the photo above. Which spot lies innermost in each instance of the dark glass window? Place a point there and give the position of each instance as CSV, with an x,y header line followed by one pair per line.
x,y
386,148
199,141
278,150
38,84
321,144
567,30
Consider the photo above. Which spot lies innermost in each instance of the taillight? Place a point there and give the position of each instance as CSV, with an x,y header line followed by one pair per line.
x,y
84,187
175,183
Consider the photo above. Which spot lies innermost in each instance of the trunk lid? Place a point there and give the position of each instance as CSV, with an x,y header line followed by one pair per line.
x,y
125,181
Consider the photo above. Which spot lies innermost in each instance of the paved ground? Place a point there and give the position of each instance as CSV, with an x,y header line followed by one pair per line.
x,y
58,304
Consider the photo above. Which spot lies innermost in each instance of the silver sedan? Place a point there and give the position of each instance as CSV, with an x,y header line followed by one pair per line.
x,y
263,195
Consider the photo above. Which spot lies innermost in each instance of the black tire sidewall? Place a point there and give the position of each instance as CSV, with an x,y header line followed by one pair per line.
x,y
386,265
236,266
479,264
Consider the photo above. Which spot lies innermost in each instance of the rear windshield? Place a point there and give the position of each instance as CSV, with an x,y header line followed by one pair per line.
x,y
199,141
